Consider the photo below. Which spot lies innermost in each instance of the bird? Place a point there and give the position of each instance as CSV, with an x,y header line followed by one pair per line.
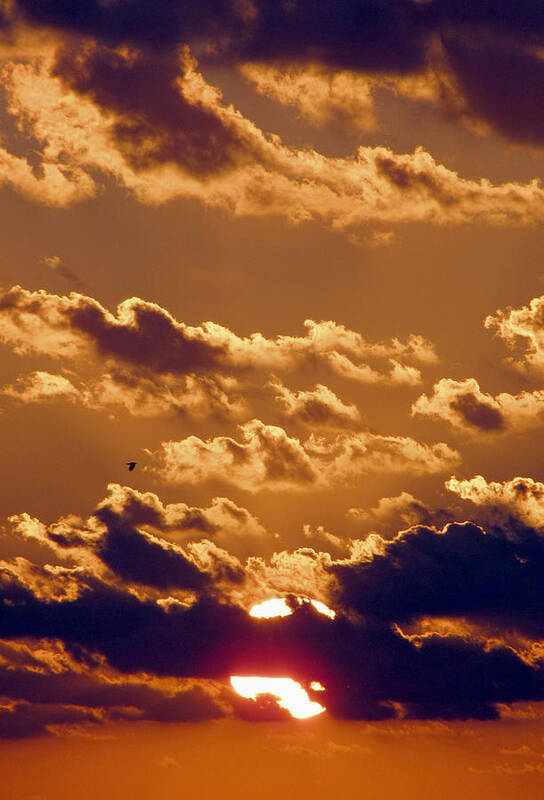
x,y
131,465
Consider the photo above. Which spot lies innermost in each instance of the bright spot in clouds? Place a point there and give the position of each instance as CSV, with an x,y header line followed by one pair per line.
x,y
322,608
279,607
271,608
290,694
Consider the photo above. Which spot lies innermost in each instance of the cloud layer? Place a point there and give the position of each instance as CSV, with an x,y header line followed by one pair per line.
x,y
268,458
154,125
77,638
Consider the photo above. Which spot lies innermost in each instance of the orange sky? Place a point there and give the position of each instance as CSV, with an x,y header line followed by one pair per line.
x,y
286,257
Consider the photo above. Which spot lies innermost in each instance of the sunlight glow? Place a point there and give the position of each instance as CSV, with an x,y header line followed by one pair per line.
x,y
279,607
290,694
323,609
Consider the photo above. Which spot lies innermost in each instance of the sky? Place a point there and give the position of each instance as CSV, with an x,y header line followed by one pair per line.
x,y
285,257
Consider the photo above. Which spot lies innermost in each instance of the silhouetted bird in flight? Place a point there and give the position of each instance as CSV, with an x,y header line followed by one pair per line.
x,y
131,465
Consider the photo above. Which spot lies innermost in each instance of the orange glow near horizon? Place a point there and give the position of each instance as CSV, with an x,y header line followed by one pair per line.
x,y
290,694
279,607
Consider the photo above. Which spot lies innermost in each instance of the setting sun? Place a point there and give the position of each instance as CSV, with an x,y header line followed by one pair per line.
x,y
279,607
289,693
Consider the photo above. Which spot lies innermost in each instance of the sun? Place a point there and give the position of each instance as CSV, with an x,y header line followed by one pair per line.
x,y
279,607
290,694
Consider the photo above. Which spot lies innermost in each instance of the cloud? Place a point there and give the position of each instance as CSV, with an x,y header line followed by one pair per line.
x,y
149,351
143,558
47,689
106,633
399,374
365,666
488,73
465,407
107,539
268,458
462,571
223,521
143,394
503,502
40,386
226,161
72,684
402,511
319,536
26,720
320,95
154,123
137,392
317,408
142,540
113,93
55,184
523,331
57,265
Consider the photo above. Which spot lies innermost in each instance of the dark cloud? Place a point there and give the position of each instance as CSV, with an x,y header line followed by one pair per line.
x,y
140,557
86,690
463,571
502,83
374,34
154,122
264,708
148,335
372,669
480,415
160,24
26,720
450,711
488,48
42,689
132,633
366,665
134,555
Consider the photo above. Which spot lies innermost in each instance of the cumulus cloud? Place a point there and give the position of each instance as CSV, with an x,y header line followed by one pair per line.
x,y
47,688
268,458
139,393
145,335
366,665
81,636
40,386
320,95
223,521
143,540
319,536
110,540
523,331
501,502
317,408
72,105
465,407
462,571
402,511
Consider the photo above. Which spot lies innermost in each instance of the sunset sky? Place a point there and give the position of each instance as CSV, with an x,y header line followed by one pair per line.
x,y
285,255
